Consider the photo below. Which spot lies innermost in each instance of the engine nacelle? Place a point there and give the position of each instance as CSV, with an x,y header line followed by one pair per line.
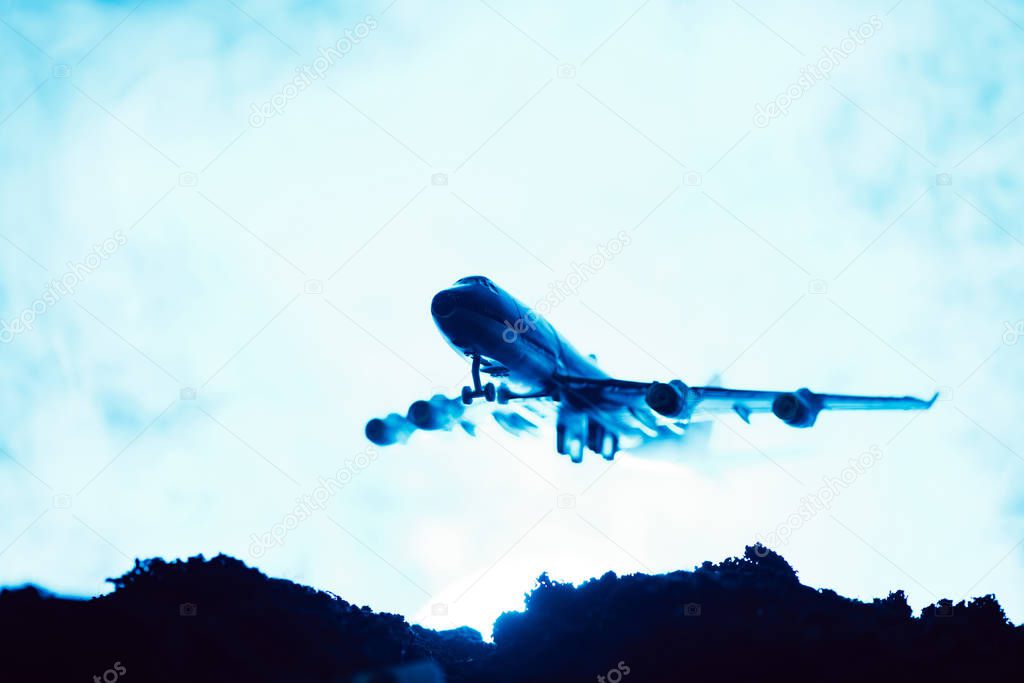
x,y
437,413
389,430
798,409
668,400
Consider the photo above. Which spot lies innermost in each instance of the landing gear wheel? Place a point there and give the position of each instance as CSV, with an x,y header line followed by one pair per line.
x,y
595,436
572,434
576,447
503,394
560,444
487,391
609,446
569,443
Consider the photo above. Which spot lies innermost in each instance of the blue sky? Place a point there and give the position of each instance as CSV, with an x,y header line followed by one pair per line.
x,y
252,266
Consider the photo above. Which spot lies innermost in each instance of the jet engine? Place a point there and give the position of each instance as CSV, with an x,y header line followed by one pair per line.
x,y
437,413
391,429
668,400
798,409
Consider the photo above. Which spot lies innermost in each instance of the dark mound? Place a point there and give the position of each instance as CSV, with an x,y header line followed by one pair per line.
x,y
746,618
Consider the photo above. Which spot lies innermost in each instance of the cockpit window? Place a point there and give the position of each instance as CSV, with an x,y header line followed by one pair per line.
x,y
477,280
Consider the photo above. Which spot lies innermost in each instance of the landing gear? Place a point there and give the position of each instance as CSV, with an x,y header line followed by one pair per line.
x,y
477,390
595,435
569,442
601,441
570,435
609,446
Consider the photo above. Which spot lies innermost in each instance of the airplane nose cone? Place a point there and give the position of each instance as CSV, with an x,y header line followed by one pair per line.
x,y
443,305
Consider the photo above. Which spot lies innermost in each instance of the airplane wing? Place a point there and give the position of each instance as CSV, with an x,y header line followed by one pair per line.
x,y
672,405
798,408
676,401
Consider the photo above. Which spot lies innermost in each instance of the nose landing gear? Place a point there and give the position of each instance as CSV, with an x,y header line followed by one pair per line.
x,y
488,391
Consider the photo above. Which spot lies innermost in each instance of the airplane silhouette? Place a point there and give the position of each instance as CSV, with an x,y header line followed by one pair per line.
x,y
507,340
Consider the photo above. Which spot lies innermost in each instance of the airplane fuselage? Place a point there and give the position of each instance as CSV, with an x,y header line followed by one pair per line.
x,y
478,318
